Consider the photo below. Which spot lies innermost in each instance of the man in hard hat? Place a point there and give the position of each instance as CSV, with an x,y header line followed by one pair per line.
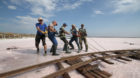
x,y
62,35
75,35
40,35
83,35
51,35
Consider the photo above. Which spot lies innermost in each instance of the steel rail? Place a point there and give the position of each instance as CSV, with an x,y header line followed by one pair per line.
x,y
75,66
29,68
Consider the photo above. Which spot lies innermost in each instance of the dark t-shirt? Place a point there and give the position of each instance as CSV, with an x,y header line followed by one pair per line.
x,y
74,31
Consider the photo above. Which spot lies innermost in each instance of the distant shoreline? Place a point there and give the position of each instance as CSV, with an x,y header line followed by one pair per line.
x,y
69,36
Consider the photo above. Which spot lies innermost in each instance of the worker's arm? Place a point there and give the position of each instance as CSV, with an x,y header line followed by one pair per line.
x,y
52,29
72,33
65,31
79,34
46,29
40,30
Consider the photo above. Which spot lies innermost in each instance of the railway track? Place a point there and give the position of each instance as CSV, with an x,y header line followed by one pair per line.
x,y
76,63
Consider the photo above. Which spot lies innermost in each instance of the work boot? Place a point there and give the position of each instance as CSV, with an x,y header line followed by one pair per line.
x,y
71,48
45,52
68,51
86,49
55,54
51,49
64,49
54,51
79,49
37,50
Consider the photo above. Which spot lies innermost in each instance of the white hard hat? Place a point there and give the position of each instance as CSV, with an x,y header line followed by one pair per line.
x,y
40,18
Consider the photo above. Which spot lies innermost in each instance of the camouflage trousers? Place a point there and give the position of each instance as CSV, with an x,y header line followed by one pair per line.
x,y
65,48
81,39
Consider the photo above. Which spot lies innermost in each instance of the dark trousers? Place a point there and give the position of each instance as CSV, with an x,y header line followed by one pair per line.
x,y
65,48
76,40
38,38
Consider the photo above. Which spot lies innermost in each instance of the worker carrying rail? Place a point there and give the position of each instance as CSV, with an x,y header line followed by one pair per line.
x,y
40,35
75,35
83,35
51,35
62,35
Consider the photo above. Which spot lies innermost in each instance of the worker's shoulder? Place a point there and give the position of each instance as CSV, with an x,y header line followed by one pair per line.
x,y
44,24
37,24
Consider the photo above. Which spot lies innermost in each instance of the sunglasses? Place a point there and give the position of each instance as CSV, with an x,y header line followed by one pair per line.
x,y
40,20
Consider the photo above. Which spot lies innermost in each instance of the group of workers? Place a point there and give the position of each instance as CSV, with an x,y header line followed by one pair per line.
x,y
77,35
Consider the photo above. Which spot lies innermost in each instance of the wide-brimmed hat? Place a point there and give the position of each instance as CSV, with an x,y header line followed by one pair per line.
x,y
40,18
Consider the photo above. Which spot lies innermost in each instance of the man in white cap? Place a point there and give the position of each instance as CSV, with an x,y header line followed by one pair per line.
x,y
40,35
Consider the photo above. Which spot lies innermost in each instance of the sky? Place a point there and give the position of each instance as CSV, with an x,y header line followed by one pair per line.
x,y
107,18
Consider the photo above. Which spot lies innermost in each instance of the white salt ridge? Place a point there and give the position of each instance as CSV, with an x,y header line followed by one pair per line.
x,y
26,55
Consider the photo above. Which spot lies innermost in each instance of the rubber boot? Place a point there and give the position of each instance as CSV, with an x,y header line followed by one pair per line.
x,y
79,49
72,47
54,50
67,50
86,48
64,48
51,49
45,52
37,50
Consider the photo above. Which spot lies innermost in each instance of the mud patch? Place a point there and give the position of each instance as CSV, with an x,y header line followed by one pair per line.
x,y
12,48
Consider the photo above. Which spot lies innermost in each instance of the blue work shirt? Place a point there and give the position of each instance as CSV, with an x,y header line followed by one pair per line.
x,y
42,27
51,34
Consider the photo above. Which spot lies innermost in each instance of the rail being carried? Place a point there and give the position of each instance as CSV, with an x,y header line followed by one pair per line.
x,y
76,65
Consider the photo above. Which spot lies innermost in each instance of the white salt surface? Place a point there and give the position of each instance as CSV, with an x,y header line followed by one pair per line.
x,y
25,55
